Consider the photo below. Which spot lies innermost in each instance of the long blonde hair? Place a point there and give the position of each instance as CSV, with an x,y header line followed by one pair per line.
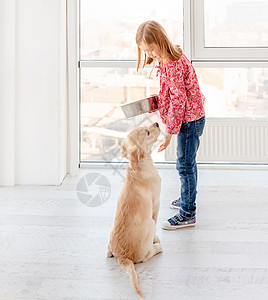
x,y
151,32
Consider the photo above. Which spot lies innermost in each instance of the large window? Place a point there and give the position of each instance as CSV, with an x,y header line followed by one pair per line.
x,y
227,42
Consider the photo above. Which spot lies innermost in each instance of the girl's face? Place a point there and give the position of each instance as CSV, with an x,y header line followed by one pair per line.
x,y
151,50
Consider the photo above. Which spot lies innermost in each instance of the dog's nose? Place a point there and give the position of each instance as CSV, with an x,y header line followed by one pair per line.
x,y
156,124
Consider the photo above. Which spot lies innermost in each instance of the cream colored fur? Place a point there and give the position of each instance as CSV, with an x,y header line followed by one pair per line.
x,y
133,238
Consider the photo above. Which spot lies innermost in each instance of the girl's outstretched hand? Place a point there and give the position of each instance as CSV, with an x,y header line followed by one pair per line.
x,y
166,142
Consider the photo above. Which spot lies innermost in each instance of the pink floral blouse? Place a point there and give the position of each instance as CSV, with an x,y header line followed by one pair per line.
x,y
180,98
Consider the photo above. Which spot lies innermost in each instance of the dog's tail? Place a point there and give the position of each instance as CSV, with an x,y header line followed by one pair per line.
x,y
128,266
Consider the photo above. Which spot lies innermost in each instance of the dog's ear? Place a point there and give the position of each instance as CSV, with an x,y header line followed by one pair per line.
x,y
124,150
141,154
135,156
134,159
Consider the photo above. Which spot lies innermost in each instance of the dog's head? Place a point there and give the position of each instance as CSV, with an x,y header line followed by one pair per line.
x,y
139,143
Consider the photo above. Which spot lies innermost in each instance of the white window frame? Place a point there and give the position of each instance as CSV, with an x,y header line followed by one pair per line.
x,y
201,53
200,56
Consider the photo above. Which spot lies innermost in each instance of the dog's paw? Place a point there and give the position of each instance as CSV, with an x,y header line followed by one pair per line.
x,y
156,239
159,248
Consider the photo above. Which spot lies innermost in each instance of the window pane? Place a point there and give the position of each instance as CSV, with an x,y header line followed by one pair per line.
x,y
103,125
108,28
236,23
235,92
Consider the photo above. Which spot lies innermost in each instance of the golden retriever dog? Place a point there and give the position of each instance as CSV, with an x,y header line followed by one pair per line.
x,y
133,238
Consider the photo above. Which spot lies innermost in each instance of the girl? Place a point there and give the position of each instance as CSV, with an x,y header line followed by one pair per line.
x,y
181,107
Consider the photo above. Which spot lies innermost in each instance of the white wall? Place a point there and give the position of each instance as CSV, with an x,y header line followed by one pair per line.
x,y
7,92
33,92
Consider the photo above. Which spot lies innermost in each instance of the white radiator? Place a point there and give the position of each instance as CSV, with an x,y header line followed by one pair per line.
x,y
234,141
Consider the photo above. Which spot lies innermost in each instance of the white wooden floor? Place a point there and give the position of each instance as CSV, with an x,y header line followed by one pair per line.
x,y
54,247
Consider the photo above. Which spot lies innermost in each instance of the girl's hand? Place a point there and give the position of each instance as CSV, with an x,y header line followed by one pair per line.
x,y
166,142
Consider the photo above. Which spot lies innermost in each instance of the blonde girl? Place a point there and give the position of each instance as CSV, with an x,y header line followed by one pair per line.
x,y
181,108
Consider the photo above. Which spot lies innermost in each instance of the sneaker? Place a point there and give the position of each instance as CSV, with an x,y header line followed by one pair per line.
x,y
177,222
176,204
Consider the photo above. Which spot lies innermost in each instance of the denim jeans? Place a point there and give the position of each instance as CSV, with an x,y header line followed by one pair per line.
x,y
187,146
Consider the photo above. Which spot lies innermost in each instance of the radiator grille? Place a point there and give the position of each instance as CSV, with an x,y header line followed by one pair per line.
x,y
241,141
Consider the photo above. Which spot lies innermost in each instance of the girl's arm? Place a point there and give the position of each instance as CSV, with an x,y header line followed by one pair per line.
x,y
177,102
176,108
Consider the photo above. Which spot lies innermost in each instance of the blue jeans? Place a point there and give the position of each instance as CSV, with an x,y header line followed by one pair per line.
x,y
188,144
